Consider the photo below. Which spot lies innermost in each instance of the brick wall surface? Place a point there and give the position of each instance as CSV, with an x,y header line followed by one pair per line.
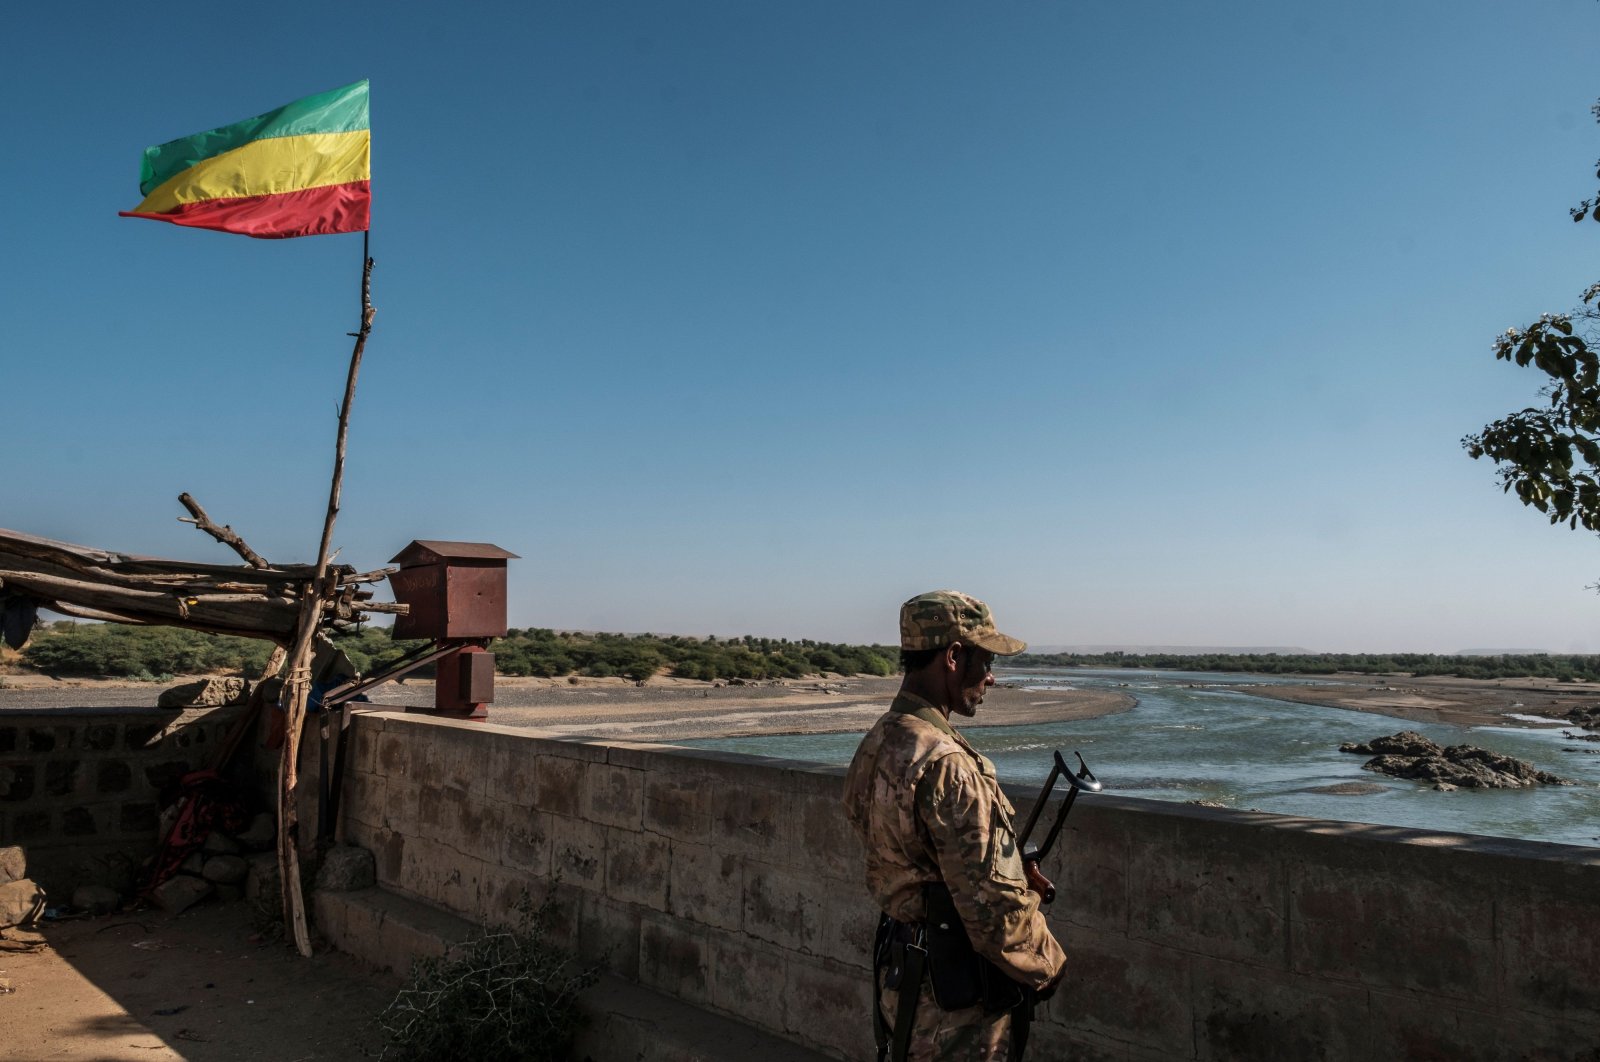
x,y
76,784
733,882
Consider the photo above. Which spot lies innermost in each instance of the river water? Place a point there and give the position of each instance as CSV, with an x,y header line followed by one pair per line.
x,y
1192,737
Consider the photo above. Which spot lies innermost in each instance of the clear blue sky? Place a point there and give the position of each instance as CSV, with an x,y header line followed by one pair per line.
x,y
1149,322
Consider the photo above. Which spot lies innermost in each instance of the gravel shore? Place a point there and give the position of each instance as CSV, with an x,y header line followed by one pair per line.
x,y
667,708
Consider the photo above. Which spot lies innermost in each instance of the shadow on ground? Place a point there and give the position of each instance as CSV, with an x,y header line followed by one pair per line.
x,y
151,988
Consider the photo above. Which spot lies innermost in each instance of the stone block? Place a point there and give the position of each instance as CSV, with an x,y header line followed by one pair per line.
x,y
638,868
361,754
346,867
558,785
849,922
752,820
1092,876
511,772
262,878
79,822
613,796
60,777
456,755
31,825
402,805
1363,917
1408,1025
224,869
828,843
439,812
219,843
96,899
706,886
525,841
142,737
21,901
180,892
1126,991
747,979
823,1007
675,958
1051,1040
1252,1013
364,798
261,834
139,817
501,889
677,805
47,739
1549,961
439,874
99,738
16,781
8,739
578,852
783,906
390,848
480,826
13,863
608,933
159,776
112,776
213,692
393,755
1210,888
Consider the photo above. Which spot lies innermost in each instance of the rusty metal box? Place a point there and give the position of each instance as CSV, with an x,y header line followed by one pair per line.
x,y
455,590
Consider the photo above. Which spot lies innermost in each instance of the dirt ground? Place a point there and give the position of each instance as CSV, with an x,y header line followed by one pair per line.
x,y
145,987
1465,702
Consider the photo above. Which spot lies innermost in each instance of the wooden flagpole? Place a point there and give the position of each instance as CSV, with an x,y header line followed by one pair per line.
x,y
297,687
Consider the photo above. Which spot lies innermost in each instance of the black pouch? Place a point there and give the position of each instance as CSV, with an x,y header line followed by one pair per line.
x,y
961,977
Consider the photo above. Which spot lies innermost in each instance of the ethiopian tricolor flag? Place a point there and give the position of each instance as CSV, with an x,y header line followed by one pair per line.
x,y
304,169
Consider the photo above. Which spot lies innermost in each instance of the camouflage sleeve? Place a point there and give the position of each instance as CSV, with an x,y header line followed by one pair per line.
x,y
976,846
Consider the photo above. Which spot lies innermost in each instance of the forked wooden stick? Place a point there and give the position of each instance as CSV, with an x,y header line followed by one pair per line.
x,y
297,688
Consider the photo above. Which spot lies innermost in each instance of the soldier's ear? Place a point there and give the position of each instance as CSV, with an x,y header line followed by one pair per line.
x,y
951,651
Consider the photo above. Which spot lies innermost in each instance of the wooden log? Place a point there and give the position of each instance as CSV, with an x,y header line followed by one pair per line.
x,y
225,534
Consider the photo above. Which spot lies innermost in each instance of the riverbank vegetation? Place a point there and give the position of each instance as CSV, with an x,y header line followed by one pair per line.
x,y
112,650
1562,668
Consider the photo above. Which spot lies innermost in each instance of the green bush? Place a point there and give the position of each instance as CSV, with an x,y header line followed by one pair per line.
x,y
144,653
120,650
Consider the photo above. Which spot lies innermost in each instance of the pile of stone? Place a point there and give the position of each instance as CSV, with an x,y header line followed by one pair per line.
x,y
1410,755
21,901
1585,717
223,866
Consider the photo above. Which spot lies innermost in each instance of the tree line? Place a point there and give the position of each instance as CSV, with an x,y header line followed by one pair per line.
x,y
1563,668
114,650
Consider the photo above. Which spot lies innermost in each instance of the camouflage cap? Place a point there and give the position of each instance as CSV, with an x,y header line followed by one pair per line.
x,y
934,620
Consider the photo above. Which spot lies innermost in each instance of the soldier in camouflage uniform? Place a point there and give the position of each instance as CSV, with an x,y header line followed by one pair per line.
x,y
929,811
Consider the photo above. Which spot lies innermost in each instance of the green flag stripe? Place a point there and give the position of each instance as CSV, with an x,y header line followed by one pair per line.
x,y
342,110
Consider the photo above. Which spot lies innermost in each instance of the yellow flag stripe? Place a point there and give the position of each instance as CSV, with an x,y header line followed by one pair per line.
x,y
268,167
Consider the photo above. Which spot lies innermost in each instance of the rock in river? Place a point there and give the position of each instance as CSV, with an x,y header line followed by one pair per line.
x,y
1410,755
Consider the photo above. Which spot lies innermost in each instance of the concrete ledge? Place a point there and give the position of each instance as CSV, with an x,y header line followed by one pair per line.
x,y
626,1021
629,1022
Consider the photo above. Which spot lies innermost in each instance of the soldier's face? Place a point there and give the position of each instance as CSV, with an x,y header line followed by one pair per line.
x,y
976,676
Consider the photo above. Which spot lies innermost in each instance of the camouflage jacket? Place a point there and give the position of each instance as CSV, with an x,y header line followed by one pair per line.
x,y
928,807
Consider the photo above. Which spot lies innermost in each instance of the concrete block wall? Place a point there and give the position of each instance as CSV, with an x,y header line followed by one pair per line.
x,y
79,783
724,881
734,883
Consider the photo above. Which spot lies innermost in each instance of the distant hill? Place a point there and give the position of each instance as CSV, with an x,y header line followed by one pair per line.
x,y
1173,650
1502,652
